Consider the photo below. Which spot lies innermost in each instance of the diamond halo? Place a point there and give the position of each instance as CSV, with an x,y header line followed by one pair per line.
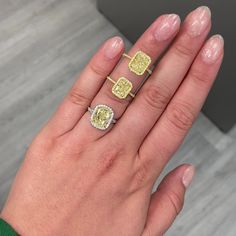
x,y
101,117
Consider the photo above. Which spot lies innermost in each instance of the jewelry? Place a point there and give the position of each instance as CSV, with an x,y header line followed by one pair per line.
x,y
139,63
101,117
121,87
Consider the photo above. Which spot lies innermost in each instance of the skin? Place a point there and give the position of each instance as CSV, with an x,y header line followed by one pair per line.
x,y
77,180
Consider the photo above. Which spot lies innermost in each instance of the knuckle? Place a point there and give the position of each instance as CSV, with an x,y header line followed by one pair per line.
x,y
157,97
147,46
181,116
98,70
143,175
183,50
199,76
77,97
147,231
175,200
109,158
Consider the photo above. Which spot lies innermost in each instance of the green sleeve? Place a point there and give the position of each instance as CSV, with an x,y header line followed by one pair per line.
x,y
6,229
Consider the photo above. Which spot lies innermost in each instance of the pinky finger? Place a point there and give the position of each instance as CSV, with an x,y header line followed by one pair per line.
x,y
167,202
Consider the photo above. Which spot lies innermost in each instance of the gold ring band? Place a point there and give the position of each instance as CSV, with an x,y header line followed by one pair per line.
x,y
127,56
121,87
139,63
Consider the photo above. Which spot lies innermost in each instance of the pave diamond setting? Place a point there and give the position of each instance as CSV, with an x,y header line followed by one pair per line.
x,y
139,63
122,88
102,116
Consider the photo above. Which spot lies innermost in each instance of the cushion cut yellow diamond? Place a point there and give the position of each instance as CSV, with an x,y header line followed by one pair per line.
x,y
102,117
122,88
139,63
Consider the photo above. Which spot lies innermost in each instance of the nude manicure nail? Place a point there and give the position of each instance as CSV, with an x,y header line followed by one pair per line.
x,y
198,21
166,27
188,176
113,47
213,49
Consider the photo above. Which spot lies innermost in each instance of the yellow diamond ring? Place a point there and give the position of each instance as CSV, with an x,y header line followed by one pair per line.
x,y
122,87
139,63
102,116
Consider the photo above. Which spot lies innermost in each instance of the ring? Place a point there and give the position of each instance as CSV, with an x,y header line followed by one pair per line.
x,y
121,87
139,63
102,116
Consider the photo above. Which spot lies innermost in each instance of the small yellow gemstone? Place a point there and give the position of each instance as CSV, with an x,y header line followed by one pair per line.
x,y
122,88
102,117
139,63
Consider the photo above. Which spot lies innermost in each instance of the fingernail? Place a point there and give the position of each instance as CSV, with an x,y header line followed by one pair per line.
x,y
188,176
166,27
198,21
213,49
113,47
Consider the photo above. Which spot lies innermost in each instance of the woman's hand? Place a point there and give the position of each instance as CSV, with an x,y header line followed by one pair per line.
x,y
78,180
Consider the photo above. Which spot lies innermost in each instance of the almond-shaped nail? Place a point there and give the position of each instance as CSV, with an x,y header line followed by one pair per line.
x,y
113,47
188,176
213,49
166,27
198,21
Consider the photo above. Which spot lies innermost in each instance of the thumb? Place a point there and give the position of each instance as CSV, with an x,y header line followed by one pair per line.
x,y
167,202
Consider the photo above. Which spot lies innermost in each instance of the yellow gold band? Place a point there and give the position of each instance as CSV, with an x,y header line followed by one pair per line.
x,y
127,56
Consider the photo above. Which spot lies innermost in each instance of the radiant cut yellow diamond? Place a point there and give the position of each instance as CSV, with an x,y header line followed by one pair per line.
x,y
139,63
102,117
122,88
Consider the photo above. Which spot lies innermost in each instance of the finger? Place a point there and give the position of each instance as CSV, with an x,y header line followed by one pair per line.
x,y
167,202
153,42
86,87
169,74
172,127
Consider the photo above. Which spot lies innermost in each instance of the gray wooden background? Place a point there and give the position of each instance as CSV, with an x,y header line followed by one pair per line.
x,y
43,46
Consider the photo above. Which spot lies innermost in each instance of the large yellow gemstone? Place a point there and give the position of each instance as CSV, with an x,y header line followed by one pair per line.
x,y
102,117
122,88
139,63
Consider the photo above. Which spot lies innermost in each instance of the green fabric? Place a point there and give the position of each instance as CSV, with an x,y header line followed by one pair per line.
x,y
6,229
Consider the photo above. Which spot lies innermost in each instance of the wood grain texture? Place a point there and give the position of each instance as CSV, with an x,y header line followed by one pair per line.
x,y
44,44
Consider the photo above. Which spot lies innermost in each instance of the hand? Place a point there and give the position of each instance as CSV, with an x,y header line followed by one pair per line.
x,y
78,180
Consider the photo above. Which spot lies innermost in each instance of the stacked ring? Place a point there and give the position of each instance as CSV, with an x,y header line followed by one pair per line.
x,y
102,116
122,87
139,63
